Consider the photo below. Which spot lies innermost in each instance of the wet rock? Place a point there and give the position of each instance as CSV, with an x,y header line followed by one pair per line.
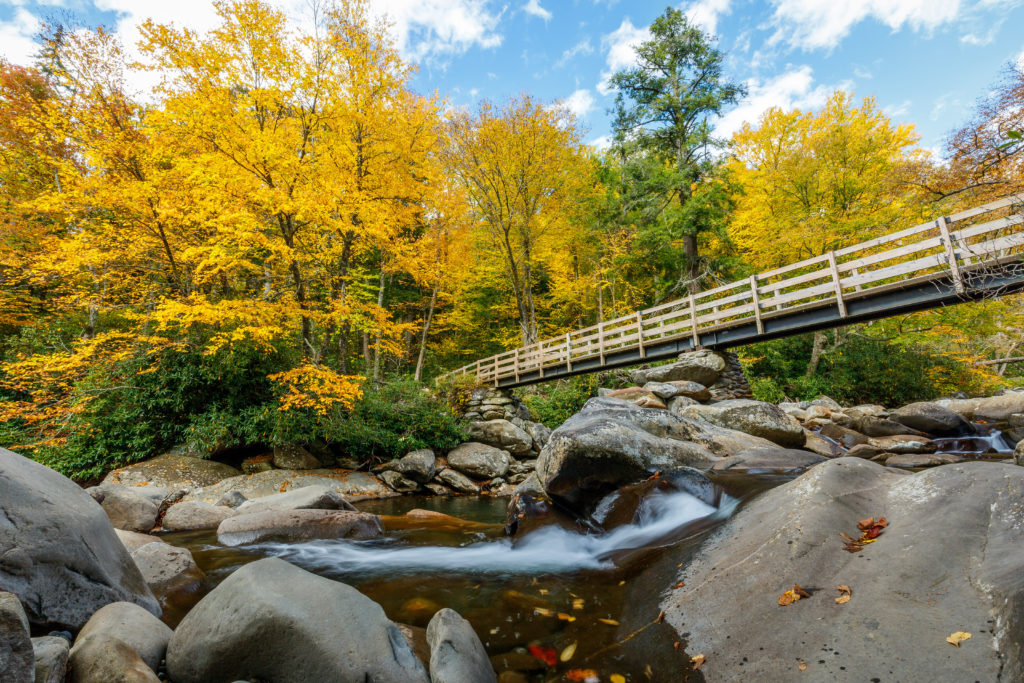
x,y
879,426
752,417
139,629
768,460
503,435
133,540
58,551
864,450
169,570
920,459
952,558
531,508
346,483
479,460
192,515
418,611
703,367
624,506
931,418
818,444
419,466
990,409
297,525
438,489
291,457
315,497
457,481
17,661
516,662
231,499
172,472
539,433
456,653
847,437
903,444
128,509
51,659
272,621
106,659
397,482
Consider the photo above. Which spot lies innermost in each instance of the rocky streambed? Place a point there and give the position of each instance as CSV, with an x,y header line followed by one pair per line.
x,y
648,538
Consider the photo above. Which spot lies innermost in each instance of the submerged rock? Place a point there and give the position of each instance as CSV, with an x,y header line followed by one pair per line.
x,y
456,653
272,621
58,551
297,525
951,559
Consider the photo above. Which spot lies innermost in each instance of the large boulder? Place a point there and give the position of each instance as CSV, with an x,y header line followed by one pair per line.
x,y
768,460
871,425
456,653
129,509
503,435
350,485
58,551
191,515
17,661
418,466
540,434
479,460
290,457
988,409
297,525
703,367
169,571
639,397
951,559
611,443
133,540
139,629
931,418
457,480
106,659
314,497
757,418
272,621
172,472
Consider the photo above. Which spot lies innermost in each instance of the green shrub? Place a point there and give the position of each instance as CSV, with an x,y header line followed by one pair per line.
x,y
554,403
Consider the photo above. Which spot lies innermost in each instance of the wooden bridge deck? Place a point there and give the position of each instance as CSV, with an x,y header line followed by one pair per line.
x,y
970,255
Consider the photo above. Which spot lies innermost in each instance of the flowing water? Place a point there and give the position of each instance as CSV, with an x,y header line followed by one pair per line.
x,y
549,589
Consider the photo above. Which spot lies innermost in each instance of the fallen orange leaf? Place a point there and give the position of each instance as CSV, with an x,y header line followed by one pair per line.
x,y
610,622
580,674
698,661
617,678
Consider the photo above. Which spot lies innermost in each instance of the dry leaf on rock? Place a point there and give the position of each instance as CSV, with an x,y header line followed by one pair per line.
x,y
791,596
697,661
844,594
955,639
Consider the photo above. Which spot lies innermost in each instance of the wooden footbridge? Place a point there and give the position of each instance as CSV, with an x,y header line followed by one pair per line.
x,y
970,255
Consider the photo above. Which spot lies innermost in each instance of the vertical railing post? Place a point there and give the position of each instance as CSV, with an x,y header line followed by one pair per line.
x,y
568,352
496,371
515,364
954,267
640,333
757,304
540,357
600,341
838,283
478,378
693,323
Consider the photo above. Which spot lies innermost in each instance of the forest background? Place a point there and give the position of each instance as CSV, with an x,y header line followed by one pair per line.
x,y
283,243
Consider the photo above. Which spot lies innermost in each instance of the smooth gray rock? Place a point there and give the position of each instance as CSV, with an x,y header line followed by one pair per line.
x,y
458,481
133,540
769,460
51,658
272,621
903,444
231,499
129,510
172,472
503,435
316,497
757,418
297,525
253,486
989,409
703,367
58,551
17,661
105,659
169,570
397,482
540,434
920,459
456,653
679,404
419,466
1018,453
139,629
479,460
932,419
879,426
191,515
292,457
951,559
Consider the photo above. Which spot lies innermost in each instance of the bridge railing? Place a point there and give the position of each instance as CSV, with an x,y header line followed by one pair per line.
x,y
955,247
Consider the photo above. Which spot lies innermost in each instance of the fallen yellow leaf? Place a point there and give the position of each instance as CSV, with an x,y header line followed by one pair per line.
x,y
568,652
617,678
566,617
802,665
610,622
578,603
843,599
956,638
543,611
697,661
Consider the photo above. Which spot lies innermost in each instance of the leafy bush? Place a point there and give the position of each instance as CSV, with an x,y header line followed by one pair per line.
x,y
554,403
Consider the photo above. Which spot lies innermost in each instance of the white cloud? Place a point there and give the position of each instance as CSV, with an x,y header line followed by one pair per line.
x,y
895,111
814,24
620,46
602,143
704,13
533,7
581,48
429,29
579,103
16,37
793,89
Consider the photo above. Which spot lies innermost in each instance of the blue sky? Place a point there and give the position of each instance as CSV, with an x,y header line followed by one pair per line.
x,y
926,61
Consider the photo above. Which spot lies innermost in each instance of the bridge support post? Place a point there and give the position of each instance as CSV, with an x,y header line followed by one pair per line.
x,y
838,282
757,304
954,267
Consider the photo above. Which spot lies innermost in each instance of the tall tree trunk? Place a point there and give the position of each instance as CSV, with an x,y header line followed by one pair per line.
x,y
426,330
377,338
817,349
600,300
692,264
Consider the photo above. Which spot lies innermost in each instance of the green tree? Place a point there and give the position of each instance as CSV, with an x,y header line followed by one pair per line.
x,y
664,110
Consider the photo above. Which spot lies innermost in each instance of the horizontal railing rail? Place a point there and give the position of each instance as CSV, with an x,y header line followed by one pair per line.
x,y
929,251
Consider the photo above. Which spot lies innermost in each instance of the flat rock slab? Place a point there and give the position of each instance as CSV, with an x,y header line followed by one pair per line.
x,y
768,460
951,559
351,485
172,472
297,525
